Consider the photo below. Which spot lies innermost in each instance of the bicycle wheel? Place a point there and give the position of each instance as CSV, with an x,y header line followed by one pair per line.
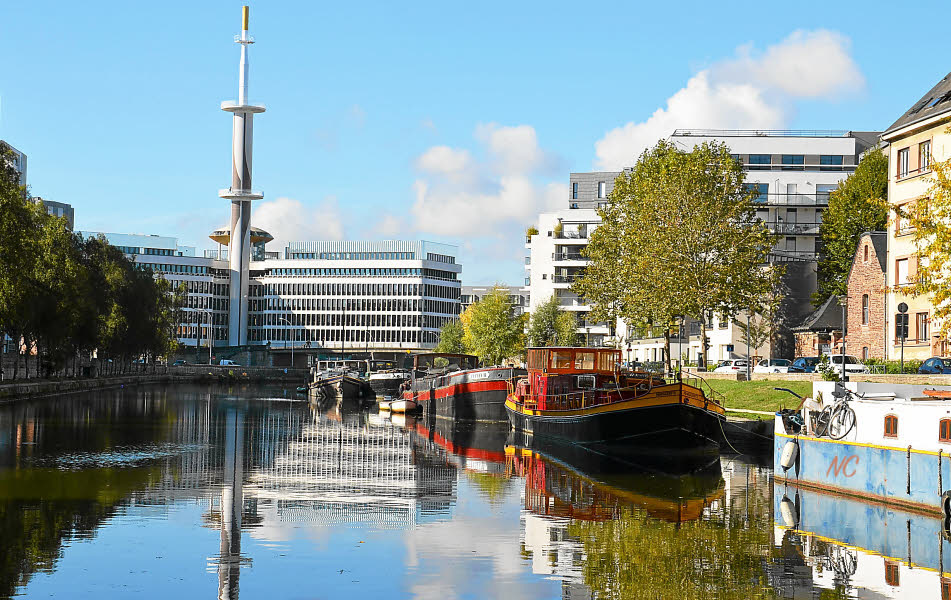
x,y
841,422
822,421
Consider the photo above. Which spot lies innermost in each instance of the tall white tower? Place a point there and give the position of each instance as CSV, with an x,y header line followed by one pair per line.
x,y
240,194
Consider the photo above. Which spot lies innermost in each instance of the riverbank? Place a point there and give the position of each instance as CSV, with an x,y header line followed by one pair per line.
x,y
25,389
758,395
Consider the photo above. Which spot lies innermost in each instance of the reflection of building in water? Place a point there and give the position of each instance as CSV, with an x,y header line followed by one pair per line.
x,y
348,472
861,550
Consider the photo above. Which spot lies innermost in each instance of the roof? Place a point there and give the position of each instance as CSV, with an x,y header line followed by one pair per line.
x,y
936,102
827,317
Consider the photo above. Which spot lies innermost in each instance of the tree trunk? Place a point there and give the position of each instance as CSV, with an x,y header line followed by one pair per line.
x,y
668,368
703,343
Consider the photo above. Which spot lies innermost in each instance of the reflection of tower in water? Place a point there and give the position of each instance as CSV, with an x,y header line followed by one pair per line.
x,y
232,502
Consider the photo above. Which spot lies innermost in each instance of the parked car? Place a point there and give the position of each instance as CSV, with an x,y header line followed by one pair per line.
x,y
852,364
228,363
804,364
772,365
731,366
179,363
935,366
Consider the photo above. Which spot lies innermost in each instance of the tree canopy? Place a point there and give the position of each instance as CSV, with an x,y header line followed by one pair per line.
x,y
62,296
679,237
491,330
856,206
551,326
451,336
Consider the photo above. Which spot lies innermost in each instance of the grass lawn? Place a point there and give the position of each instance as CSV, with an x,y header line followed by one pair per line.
x,y
758,395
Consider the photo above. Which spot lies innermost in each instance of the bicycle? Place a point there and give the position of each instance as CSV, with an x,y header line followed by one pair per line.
x,y
839,419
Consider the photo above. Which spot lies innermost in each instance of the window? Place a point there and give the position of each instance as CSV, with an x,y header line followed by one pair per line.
x,y
793,162
924,156
865,353
901,271
574,191
761,191
830,162
823,190
921,326
601,188
891,572
891,426
790,244
864,309
944,430
903,162
865,258
759,162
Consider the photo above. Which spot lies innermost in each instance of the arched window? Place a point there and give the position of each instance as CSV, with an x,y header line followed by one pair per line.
x,y
864,309
944,430
891,426
866,252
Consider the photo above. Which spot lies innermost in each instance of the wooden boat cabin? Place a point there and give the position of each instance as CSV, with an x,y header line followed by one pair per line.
x,y
570,378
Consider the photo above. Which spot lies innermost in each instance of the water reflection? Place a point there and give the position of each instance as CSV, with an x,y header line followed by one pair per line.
x,y
271,495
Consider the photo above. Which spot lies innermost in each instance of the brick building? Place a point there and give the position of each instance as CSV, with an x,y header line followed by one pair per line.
x,y
821,331
867,333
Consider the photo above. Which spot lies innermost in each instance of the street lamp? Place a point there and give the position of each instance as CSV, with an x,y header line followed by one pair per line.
x,y
285,339
844,301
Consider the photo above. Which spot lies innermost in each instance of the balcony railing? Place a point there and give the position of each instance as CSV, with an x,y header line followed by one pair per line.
x,y
565,278
572,235
568,256
787,228
791,256
817,199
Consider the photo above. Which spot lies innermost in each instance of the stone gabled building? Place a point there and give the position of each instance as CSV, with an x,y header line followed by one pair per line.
x,y
821,331
867,320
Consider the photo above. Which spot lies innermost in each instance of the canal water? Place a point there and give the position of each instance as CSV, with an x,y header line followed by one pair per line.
x,y
199,492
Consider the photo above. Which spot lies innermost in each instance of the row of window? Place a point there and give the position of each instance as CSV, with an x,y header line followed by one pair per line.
x,y
443,258
166,268
602,190
337,320
790,192
337,335
792,162
354,289
354,255
904,166
335,305
345,272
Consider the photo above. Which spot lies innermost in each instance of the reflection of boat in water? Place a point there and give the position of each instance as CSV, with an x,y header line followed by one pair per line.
x,y
566,480
470,447
579,395
866,550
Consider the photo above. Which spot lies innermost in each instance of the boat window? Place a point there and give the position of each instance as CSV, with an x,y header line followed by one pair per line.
x,y
561,359
584,360
891,426
606,361
585,382
891,572
944,430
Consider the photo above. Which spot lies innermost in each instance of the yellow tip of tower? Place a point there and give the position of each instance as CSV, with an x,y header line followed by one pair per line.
x,y
244,18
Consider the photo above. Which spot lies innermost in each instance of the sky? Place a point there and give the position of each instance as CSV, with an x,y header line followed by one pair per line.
x,y
451,122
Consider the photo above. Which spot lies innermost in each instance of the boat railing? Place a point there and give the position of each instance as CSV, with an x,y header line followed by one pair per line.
x,y
704,386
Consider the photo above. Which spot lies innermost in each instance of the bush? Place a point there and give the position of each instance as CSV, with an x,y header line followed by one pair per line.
x,y
826,369
893,367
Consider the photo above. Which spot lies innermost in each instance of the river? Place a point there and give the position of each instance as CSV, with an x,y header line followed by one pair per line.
x,y
201,491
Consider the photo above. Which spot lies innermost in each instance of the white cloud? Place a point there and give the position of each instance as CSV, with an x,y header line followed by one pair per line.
x,y
443,160
748,91
290,220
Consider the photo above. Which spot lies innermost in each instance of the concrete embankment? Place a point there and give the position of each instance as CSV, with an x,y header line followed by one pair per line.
x,y
32,388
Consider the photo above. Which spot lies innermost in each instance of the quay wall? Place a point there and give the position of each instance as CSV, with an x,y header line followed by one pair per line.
x,y
25,389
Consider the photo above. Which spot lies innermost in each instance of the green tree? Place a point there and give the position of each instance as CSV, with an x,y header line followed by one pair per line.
x,y
566,328
542,324
679,237
856,206
492,331
451,338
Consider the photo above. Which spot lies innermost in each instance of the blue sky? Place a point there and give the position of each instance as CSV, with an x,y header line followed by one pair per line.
x,y
454,122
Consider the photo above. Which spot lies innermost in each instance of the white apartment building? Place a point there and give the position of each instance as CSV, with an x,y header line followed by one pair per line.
x,y
335,296
793,173
518,297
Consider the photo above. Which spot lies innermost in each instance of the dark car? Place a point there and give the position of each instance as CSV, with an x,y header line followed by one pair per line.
x,y
179,363
935,366
804,364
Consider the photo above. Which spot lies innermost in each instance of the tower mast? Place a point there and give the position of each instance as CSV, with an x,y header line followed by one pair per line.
x,y
241,194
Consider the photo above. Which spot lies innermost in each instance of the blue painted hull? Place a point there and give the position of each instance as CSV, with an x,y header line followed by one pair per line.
x,y
910,478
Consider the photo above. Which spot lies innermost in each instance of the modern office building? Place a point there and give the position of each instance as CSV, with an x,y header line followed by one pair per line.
x,y
792,172
474,293
333,296
915,141
58,209
19,160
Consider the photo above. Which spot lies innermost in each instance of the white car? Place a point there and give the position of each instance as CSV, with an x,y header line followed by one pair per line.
x,y
772,365
224,362
731,366
852,364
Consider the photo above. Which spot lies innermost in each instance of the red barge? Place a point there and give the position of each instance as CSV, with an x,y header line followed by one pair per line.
x,y
581,396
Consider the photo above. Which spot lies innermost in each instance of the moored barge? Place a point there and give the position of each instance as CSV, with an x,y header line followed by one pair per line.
x,y
452,386
580,395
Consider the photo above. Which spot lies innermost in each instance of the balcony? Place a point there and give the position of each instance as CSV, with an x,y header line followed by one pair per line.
x,y
780,256
571,234
787,228
565,278
568,256
817,199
